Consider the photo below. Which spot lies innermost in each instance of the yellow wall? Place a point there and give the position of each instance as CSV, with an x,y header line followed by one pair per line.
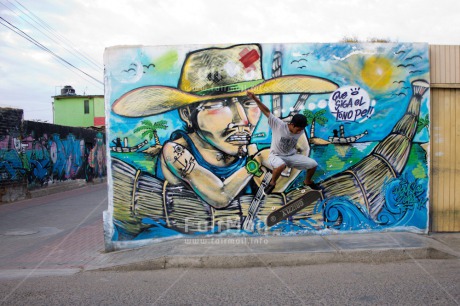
x,y
445,138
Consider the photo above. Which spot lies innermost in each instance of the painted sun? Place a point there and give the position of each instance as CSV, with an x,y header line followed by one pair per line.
x,y
377,72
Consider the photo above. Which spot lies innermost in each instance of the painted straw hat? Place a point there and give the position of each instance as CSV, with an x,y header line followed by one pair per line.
x,y
213,73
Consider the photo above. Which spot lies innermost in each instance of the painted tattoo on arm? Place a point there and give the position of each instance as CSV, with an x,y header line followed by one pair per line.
x,y
186,165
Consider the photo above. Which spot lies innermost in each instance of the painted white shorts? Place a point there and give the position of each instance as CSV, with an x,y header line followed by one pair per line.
x,y
296,161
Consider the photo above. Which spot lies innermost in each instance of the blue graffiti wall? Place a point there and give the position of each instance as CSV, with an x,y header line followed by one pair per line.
x,y
190,150
37,154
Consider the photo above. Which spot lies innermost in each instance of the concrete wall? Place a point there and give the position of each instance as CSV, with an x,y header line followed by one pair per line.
x,y
189,155
37,155
13,184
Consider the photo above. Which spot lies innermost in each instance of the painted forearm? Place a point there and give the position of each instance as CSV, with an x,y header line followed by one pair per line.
x,y
206,184
212,190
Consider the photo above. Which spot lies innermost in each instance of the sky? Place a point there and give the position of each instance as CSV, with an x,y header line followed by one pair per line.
x,y
72,35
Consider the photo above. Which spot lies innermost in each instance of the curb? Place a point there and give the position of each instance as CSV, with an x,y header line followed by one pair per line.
x,y
63,186
26,273
59,187
279,259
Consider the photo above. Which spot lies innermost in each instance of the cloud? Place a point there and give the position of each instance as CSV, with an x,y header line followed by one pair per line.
x,y
92,26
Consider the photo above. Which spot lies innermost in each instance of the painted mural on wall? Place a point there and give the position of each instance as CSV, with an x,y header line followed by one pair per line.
x,y
38,155
189,148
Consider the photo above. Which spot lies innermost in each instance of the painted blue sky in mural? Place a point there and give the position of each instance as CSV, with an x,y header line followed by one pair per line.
x,y
379,73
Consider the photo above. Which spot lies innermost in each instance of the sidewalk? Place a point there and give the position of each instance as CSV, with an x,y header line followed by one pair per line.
x,y
40,237
73,256
63,186
244,252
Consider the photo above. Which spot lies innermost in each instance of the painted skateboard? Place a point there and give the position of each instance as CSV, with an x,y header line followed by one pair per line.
x,y
293,207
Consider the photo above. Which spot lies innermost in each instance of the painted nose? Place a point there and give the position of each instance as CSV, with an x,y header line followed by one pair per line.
x,y
239,115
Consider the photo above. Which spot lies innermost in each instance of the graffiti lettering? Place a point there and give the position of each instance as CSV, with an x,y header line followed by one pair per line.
x,y
345,116
350,104
408,194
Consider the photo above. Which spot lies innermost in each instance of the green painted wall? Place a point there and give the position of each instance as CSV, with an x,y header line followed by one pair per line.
x,y
70,110
99,107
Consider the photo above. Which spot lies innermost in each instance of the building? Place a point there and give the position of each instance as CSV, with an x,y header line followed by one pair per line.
x,y
70,109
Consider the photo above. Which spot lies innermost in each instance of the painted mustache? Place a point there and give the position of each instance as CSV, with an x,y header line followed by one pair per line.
x,y
237,133
239,137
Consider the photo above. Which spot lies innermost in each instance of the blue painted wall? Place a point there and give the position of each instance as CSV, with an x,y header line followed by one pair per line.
x,y
181,135
36,154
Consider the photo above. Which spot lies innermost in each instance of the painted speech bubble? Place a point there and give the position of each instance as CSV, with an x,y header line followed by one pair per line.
x,y
351,104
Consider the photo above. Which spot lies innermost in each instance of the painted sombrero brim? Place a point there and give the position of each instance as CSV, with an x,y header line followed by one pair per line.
x,y
153,100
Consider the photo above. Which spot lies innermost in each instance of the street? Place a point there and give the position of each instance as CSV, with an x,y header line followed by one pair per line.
x,y
46,232
424,282
46,242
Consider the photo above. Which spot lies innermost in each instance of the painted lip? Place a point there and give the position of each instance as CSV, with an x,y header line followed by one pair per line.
x,y
239,138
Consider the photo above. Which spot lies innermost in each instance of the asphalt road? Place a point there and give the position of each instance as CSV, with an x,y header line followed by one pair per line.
x,y
421,282
48,232
58,234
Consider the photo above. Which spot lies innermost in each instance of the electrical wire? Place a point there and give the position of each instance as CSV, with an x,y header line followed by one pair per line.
x,y
86,61
41,46
55,33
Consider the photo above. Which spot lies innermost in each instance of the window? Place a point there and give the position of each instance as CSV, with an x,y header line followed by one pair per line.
x,y
86,106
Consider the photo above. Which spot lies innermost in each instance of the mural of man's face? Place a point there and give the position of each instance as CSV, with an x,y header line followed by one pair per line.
x,y
226,124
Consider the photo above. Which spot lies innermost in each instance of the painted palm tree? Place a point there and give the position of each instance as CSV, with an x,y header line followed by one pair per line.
x,y
151,130
423,123
315,117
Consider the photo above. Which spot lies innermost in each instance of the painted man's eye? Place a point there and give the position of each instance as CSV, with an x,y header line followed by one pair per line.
x,y
249,103
214,105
